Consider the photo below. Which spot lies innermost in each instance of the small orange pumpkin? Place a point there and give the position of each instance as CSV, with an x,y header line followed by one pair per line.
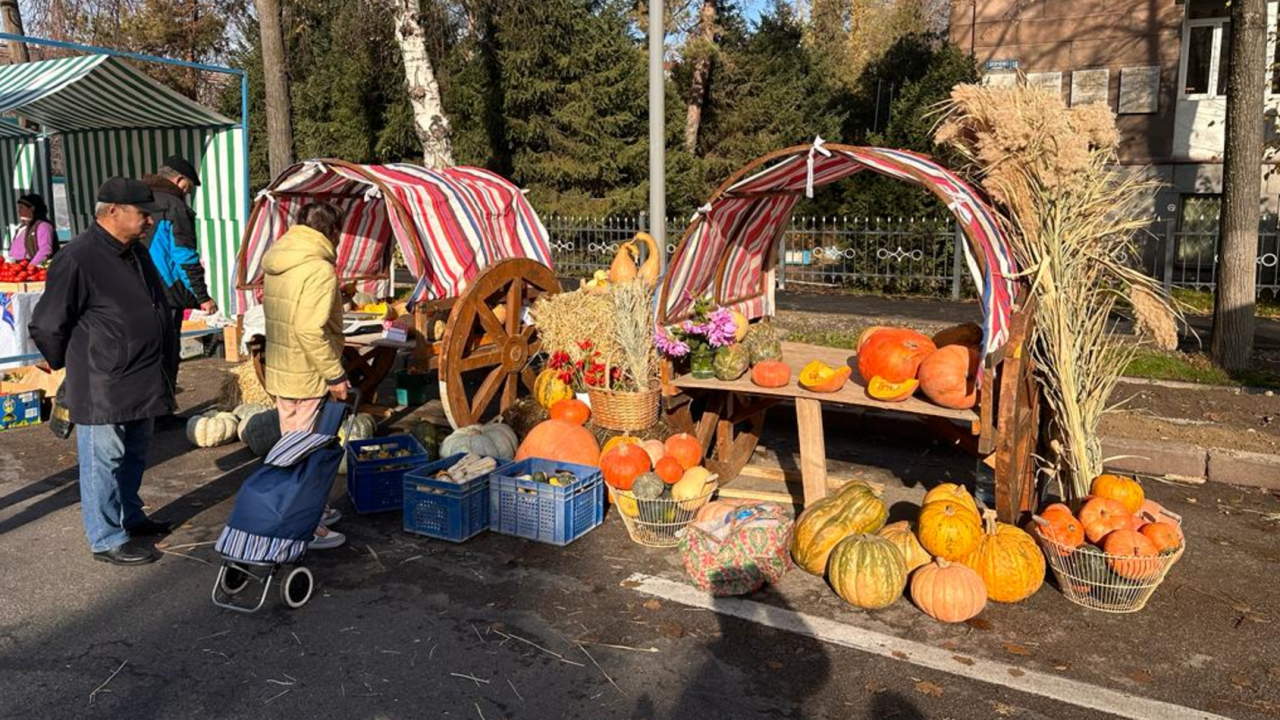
x,y
948,592
1165,536
572,410
656,450
1062,528
1101,516
685,448
1124,490
954,492
948,377
1135,555
885,391
894,354
819,377
771,374
623,464
949,529
668,468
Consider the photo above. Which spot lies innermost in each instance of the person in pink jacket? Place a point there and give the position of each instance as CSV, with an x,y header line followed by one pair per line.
x,y
36,236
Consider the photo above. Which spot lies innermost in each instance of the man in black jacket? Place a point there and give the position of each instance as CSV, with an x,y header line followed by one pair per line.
x,y
105,318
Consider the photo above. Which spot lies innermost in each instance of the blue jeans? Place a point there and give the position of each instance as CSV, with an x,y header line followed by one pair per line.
x,y
112,459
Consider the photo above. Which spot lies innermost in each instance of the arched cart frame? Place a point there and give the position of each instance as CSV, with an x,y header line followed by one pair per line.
x,y
730,251
475,246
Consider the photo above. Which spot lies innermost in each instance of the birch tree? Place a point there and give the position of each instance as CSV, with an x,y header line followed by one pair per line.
x,y
430,123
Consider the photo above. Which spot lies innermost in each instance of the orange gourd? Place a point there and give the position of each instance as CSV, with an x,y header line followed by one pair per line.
x,y
1062,528
949,529
685,448
572,410
948,377
1101,516
1008,560
1166,536
948,592
623,269
885,391
560,440
652,266
1124,490
894,354
817,376
668,468
955,493
771,374
623,464
1135,555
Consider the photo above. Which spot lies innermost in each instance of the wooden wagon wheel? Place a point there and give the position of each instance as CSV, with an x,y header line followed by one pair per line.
x,y
728,425
477,344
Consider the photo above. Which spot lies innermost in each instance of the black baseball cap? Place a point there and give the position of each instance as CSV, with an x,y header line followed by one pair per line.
x,y
126,191
184,168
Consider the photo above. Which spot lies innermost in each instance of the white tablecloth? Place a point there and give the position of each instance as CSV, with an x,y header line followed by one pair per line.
x,y
15,315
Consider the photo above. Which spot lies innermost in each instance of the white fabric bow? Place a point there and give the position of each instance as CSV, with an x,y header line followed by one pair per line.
x,y
818,147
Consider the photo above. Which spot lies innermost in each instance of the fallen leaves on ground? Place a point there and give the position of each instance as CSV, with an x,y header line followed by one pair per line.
x,y
773,665
652,605
1015,649
671,630
924,687
1243,682
1015,672
978,623
1141,676
1002,709
874,687
962,659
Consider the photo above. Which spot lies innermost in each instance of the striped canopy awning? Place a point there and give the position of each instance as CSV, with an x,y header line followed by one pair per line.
x,y
95,92
731,247
449,224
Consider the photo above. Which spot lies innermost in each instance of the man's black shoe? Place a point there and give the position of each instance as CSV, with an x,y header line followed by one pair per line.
x,y
126,555
150,527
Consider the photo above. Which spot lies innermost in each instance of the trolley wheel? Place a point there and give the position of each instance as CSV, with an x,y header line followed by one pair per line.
x,y
296,587
233,579
477,344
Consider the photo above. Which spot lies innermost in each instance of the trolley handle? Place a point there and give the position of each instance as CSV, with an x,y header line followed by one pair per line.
x,y
352,404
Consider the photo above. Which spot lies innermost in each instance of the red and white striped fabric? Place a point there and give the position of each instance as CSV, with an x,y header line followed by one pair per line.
x,y
732,244
454,223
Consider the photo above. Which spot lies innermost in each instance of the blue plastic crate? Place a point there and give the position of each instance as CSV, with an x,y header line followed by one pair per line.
x,y
541,511
445,510
378,485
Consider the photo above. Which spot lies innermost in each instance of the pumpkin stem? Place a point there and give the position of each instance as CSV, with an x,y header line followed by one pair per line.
x,y
989,520
942,562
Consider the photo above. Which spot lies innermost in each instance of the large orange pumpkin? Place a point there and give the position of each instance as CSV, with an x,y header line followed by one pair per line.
x,y
1124,490
894,354
948,375
623,464
560,440
949,529
571,409
1135,555
685,448
771,374
866,334
1008,561
1101,516
948,592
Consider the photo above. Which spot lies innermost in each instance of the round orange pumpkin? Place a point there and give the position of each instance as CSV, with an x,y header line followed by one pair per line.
x,y
948,592
1062,528
771,374
948,375
1134,555
572,410
623,464
1101,516
954,492
668,468
1124,490
865,335
949,529
562,441
1165,536
685,448
894,354
1008,560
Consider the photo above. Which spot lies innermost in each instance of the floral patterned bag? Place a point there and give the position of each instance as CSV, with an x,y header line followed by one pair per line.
x,y
739,557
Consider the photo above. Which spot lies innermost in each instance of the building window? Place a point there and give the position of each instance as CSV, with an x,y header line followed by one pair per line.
x,y
1206,39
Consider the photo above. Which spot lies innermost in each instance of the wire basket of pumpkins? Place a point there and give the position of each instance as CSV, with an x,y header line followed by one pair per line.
x,y
1116,551
658,487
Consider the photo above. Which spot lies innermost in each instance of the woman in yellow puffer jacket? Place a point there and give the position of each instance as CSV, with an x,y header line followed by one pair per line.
x,y
303,310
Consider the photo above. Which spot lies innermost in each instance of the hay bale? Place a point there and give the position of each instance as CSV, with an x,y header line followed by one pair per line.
x,y
240,385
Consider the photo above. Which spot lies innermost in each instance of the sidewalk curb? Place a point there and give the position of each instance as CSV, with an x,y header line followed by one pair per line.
x,y
1218,465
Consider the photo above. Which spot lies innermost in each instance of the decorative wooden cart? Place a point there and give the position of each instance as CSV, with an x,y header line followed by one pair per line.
x,y
475,246
731,251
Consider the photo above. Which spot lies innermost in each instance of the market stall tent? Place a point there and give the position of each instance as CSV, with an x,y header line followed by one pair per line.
x,y
115,120
731,247
449,224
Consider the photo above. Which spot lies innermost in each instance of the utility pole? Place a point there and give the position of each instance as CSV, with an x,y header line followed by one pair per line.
x,y
657,131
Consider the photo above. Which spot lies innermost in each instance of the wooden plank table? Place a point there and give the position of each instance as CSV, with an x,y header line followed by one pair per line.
x,y
813,455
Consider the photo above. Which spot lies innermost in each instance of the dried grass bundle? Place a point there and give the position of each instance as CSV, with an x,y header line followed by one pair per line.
x,y
1153,318
240,385
1071,219
634,326
566,319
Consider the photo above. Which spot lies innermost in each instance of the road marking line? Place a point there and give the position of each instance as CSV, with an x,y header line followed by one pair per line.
x,y
1058,689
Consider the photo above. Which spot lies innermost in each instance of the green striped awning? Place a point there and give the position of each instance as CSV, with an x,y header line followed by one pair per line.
x,y
94,92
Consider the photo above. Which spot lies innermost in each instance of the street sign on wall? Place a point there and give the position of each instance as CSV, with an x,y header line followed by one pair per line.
x,y
1008,64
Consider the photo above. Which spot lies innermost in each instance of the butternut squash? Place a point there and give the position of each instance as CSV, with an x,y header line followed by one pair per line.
x,y
652,267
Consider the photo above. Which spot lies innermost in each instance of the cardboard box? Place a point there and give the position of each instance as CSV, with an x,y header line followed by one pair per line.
x,y
21,409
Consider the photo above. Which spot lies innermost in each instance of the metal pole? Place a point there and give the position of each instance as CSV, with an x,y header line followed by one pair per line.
x,y
957,261
657,132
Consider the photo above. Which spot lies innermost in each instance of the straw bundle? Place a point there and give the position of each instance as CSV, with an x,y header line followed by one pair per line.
x,y
1071,217
240,385
634,326
566,319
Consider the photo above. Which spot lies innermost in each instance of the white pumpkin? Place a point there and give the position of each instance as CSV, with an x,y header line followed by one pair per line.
x,y
212,429
490,440
244,410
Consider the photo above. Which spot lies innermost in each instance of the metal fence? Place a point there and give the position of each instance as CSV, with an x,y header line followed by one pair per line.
x,y
913,256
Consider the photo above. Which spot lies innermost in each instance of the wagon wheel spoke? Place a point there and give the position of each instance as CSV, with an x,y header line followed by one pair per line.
x,y
487,390
487,357
515,303
510,391
489,321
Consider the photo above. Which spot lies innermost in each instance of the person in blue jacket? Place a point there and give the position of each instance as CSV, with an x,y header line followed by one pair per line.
x,y
171,241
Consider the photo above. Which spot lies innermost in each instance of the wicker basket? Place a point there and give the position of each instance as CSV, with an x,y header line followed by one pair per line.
x,y
619,410
661,522
1089,579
